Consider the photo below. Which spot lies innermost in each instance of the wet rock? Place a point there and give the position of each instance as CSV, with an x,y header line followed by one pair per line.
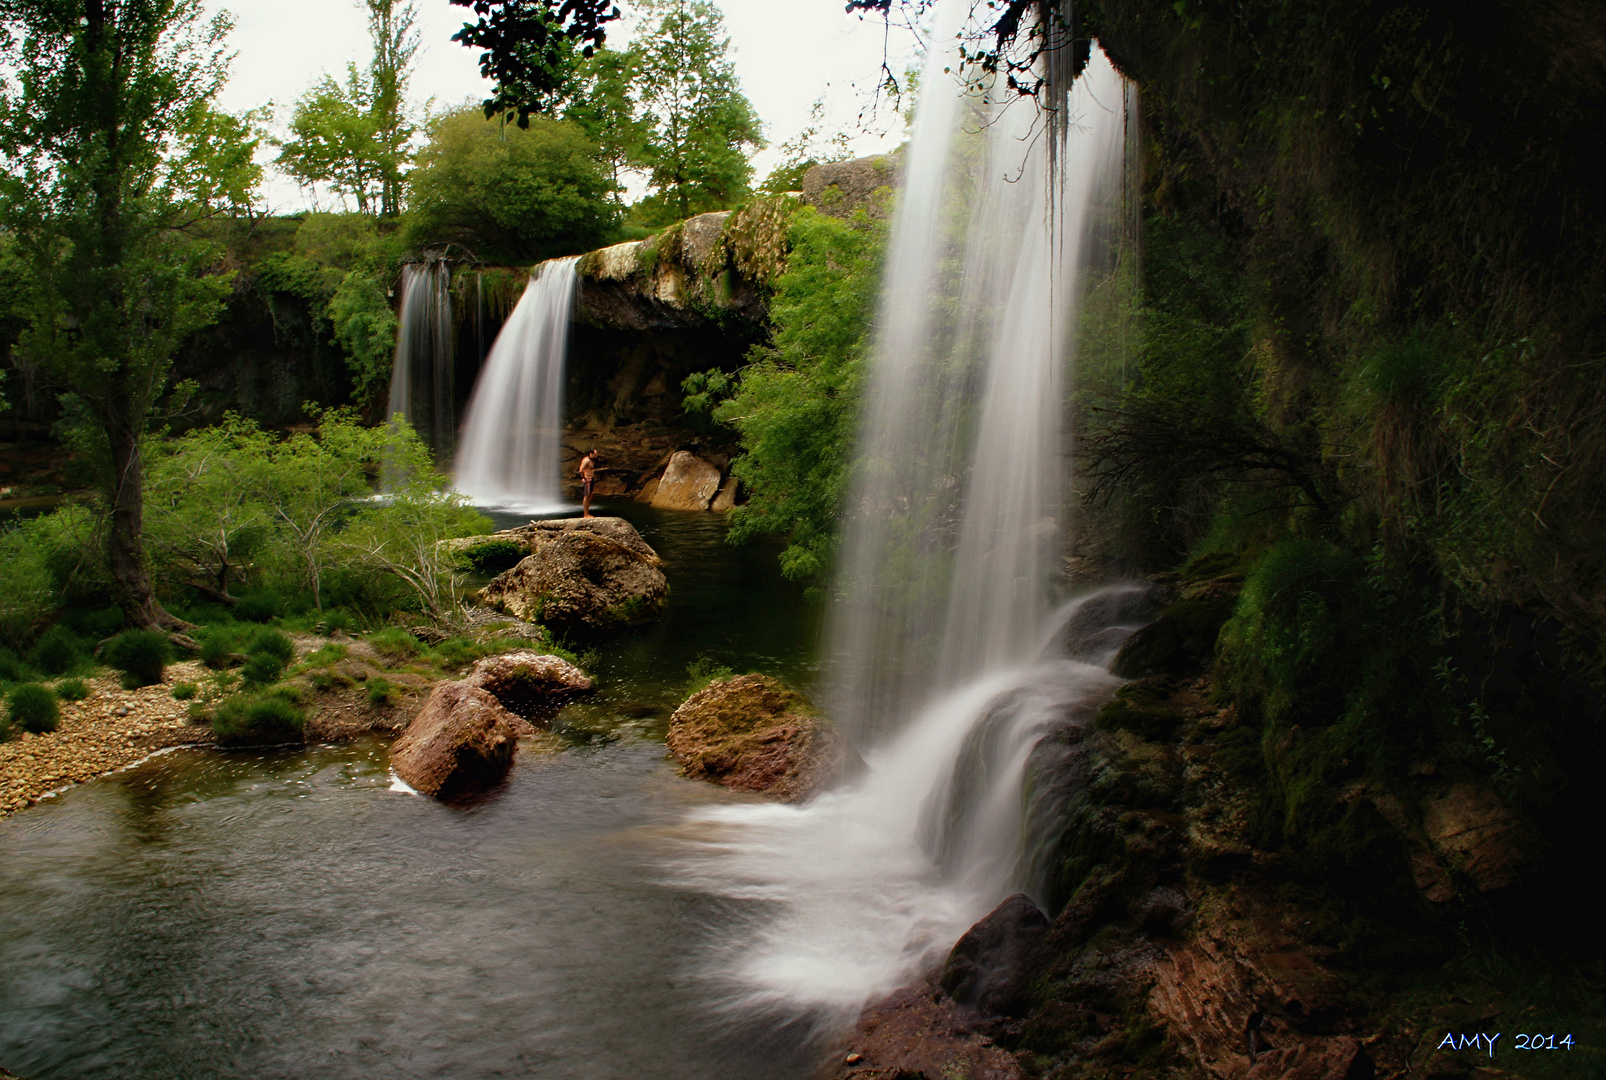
x,y
726,499
461,741
1476,834
583,578
751,733
1097,626
527,682
919,1032
988,969
688,483
1319,1059
1182,638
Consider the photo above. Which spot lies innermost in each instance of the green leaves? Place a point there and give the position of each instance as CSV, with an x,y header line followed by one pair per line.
x,y
517,194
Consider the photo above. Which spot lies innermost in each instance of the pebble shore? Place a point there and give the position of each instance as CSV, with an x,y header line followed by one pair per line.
x,y
110,729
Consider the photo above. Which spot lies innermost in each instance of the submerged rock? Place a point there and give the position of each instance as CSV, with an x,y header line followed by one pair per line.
x,y
583,577
526,681
688,483
461,741
987,968
751,733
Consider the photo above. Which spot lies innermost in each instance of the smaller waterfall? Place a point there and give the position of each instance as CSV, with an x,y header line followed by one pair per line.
x,y
422,388
513,433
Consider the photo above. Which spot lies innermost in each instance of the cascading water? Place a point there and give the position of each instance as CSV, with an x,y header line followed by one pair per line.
x,y
422,387
944,664
512,437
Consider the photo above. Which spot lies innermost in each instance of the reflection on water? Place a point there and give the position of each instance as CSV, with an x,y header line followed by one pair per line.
x,y
285,914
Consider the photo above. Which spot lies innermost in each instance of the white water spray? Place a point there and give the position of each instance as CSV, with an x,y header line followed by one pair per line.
x,y
422,387
943,663
513,433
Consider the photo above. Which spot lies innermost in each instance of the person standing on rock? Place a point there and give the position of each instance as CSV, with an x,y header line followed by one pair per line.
x,y
588,479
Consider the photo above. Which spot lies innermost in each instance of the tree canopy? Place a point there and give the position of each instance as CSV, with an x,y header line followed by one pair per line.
x,y
510,193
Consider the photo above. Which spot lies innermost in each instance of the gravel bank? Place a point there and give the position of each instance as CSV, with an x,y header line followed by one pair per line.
x,y
93,739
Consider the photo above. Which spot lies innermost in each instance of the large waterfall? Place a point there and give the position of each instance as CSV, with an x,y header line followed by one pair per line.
x,y
513,433
422,387
943,660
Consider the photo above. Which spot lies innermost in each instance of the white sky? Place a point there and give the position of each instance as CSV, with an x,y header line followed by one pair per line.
x,y
788,53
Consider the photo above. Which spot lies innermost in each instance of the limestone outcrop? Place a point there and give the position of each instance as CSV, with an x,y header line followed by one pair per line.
x,y
688,483
583,577
751,733
462,741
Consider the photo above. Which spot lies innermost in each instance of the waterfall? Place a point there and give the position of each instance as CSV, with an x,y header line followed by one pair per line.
x,y
513,434
943,661
422,387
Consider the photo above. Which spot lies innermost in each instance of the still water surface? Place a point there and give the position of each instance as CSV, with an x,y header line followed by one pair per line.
x,y
285,914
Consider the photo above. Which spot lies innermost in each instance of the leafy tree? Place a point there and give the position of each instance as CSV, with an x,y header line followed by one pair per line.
x,y
532,47
698,117
205,491
795,403
805,150
311,485
607,112
514,193
335,140
353,135
113,150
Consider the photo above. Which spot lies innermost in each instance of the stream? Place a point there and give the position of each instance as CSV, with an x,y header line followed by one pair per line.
x,y
286,914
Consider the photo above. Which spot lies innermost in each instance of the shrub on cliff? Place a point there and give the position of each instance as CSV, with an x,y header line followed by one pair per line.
x,y
33,707
141,655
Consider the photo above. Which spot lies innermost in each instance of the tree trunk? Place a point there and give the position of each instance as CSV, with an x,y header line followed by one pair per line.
x,y
125,549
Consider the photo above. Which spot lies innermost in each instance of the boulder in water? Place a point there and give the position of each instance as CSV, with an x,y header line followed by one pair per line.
x,y
726,499
751,733
461,741
527,682
584,577
988,968
688,483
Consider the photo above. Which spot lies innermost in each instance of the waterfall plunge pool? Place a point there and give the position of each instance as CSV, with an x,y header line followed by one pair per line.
x,y
285,914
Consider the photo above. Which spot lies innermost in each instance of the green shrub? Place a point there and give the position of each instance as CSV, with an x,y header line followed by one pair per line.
x,y
273,643
56,652
395,644
95,624
72,690
262,669
184,691
34,708
494,556
259,605
217,650
380,691
333,622
12,668
704,670
245,720
141,655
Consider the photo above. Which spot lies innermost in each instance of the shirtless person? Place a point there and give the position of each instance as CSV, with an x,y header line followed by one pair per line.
x,y
588,477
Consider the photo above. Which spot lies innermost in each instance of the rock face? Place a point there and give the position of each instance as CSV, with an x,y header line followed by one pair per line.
x,y
461,741
751,733
583,577
839,188
987,969
688,483
1474,832
527,682
726,499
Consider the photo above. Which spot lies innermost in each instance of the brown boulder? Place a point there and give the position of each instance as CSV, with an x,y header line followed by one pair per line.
x,y
726,499
1474,832
460,742
526,681
688,483
1319,1059
751,733
583,578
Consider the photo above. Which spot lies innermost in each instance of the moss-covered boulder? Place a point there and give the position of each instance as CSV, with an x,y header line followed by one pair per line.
x,y
583,577
751,733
